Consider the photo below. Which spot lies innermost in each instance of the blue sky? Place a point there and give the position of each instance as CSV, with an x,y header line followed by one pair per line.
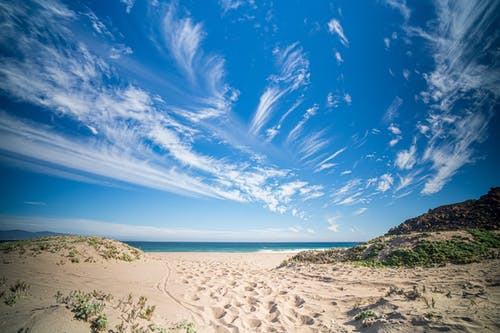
x,y
244,120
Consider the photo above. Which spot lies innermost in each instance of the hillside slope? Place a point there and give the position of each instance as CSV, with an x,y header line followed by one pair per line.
x,y
483,213
459,233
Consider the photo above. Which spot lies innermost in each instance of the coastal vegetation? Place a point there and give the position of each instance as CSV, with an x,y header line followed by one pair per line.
x,y
13,292
74,248
459,233
412,250
131,315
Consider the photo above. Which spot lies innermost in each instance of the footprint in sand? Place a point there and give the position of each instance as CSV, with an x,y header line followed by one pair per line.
x,y
299,301
253,323
306,320
219,312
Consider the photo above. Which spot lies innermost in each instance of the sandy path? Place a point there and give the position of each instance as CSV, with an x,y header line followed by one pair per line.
x,y
231,292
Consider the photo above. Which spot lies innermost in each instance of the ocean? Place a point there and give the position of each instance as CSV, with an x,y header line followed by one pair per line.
x,y
285,247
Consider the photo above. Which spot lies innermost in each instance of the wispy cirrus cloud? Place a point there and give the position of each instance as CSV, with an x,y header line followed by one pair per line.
x,y
294,133
326,164
128,5
360,211
385,182
399,5
351,193
393,109
183,38
124,133
463,89
312,144
334,27
333,223
405,159
293,73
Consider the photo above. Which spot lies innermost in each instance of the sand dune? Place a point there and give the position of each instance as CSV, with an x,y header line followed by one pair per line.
x,y
227,292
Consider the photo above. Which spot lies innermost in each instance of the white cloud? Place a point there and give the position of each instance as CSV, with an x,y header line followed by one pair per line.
x,y
387,42
392,111
118,50
360,211
463,88
406,74
347,98
183,38
338,57
266,106
400,5
293,73
289,189
298,128
394,141
404,182
312,144
228,5
325,166
385,182
346,172
448,157
352,199
394,129
349,194
335,28
321,165
273,131
333,223
35,203
406,159
131,136
128,5
332,101
311,231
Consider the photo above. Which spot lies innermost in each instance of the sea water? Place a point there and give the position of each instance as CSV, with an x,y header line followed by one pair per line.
x,y
284,247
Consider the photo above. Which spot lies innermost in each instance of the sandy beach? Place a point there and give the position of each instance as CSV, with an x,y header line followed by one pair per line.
x,y
246,292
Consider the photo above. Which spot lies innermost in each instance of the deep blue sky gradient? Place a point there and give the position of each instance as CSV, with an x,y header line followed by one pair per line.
x,y
244,120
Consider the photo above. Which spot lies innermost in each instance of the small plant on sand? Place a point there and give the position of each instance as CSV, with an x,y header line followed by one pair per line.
x,y
100,323
10,299
394,291
365,314
14,292
188,326
148,312
20,288
86,306
429,304
432,315
59,297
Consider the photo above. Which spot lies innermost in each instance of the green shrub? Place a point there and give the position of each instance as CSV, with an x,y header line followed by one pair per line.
x,y
487,238
10,299
365,314
100,323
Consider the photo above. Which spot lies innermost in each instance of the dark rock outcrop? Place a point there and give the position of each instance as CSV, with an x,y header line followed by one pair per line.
x,y
483,213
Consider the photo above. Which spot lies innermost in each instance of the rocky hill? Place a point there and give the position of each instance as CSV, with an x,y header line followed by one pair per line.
x,y
483,213
460,233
